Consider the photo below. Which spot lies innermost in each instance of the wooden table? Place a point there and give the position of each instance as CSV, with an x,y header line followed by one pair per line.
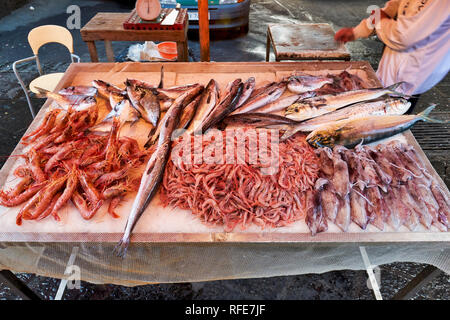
x,y
107,27
179,73
305,41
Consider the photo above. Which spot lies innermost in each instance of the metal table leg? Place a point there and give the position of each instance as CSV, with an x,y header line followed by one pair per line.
x,y
17,286
424,277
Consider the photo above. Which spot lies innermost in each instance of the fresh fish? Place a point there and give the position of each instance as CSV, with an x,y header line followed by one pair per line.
x,y
123,111
105,88
79,91
145,101
316,106
75,102
153,173
271,94
209,99
247,90
368,129
185,118
283,103
161,80
259,90
225,106
301,83
115,98
258,120
188,112
390,106
176,91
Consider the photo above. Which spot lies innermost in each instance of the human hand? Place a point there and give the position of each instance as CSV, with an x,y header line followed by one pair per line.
x,y
345,35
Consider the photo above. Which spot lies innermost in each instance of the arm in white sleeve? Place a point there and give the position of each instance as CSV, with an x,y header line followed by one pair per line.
x,y
404,32
363,30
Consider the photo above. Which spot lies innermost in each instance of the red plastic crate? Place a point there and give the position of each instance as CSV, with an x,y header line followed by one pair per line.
x,y
134,22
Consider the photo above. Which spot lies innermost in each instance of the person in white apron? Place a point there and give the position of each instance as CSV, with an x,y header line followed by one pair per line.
x,y
416,34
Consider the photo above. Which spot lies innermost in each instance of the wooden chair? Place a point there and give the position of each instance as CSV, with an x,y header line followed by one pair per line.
x,y
37,37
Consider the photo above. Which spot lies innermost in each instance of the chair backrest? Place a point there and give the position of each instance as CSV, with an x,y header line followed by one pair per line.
x,y
49,33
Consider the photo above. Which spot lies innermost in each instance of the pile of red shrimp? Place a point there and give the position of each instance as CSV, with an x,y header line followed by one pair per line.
x,y
241,193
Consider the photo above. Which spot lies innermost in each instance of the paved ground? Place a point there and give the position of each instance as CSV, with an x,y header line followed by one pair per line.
x,y
225,46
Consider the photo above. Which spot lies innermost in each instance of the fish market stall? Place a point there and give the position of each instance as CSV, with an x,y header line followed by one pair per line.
x,y
169,243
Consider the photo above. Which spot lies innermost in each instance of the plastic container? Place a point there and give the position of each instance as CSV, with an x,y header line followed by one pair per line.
x,y
168,49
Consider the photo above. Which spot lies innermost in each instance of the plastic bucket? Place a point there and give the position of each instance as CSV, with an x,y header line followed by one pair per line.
x,y
167,50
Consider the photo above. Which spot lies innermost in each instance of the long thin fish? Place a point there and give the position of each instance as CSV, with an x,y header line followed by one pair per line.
x,y
390,106
271,94
185,118
350,133
153,173
316,106
247,90
209,99
225,107
283,103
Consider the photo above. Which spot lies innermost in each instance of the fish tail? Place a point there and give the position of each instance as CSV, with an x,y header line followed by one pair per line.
x,y
393,89
161,82
42,91
424,115
120,249
289,132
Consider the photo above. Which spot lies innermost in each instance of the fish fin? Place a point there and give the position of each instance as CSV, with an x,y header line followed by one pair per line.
x,y
290,131
161,82
393,89
424,115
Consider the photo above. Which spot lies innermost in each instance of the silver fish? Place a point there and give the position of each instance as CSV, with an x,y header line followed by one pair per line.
x,y
259,90
209,99
388,106
301,83
316,106
145,101
285,102
271,94
185,118
225,106
350,133
153,173
247,90
123,111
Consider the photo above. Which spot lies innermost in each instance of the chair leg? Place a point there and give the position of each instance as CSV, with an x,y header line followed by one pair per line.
x,y
33,114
